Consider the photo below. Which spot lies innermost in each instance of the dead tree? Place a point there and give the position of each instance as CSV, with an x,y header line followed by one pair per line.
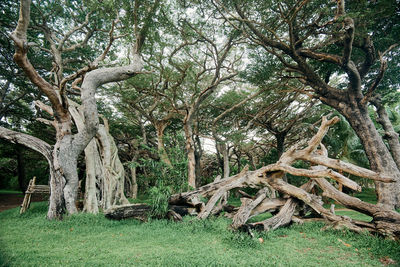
x,y
385,221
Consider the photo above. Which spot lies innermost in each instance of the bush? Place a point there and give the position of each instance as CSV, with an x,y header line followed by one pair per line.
x,y
159,196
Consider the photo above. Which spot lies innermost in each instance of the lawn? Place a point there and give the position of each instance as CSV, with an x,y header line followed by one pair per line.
x,y
89,240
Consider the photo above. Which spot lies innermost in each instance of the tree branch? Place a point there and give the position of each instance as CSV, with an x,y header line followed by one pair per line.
x,y
27,140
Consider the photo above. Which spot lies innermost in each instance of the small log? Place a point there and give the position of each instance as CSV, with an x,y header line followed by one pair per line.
x,y
173,216
142,211
136,211
183,210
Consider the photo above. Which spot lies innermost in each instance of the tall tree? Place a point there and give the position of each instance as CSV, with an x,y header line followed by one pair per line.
x,y
63,156
311,43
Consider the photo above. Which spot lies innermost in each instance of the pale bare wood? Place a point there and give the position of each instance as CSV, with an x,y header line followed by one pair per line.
x,y
385,222
27,197
33,188
247,207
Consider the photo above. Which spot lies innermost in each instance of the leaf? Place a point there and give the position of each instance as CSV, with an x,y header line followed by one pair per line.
x,y
344,243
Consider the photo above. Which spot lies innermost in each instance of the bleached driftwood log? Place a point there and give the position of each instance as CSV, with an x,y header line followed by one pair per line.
x,y
385,222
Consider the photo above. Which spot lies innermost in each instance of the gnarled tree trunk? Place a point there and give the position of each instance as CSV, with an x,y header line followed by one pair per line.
x,y
114,173
105,175
379,156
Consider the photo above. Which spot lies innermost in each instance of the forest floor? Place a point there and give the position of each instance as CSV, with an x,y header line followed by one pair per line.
x,y
92,240
9,200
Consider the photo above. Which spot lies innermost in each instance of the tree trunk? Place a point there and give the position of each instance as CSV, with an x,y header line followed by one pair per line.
x,y
280,147
225,156
219,158
94,172
105,175
114,173
198,153
390,134
133,190
378,154
160,127
189,145
238,160
21,168
67,159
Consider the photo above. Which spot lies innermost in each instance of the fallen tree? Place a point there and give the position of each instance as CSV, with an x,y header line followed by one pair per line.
x,y
205,199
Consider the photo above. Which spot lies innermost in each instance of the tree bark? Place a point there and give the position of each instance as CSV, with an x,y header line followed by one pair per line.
x,y
189,145
160,128
114,173
198,153
390,134
133,190
380,158
225,157
105,175
94,175
21,168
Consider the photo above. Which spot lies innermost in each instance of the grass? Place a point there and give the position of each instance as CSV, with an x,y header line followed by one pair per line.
x,y
90,240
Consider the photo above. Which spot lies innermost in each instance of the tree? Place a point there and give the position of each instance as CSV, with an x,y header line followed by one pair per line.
x,y
188,63
311,44
63,157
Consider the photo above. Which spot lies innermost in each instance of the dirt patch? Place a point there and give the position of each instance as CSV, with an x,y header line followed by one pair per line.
x,y
9,201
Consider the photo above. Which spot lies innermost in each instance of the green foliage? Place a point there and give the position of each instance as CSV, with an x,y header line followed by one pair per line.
x,y
159,196
153,172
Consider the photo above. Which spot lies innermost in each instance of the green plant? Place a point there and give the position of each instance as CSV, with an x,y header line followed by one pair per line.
x,y
153,171
159,196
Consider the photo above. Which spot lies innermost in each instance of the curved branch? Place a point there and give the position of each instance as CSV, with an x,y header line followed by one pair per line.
x,y
19,36
91,82
318,173
27,140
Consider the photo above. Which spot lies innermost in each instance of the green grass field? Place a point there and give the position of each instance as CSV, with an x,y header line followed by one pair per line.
x,y
89,240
